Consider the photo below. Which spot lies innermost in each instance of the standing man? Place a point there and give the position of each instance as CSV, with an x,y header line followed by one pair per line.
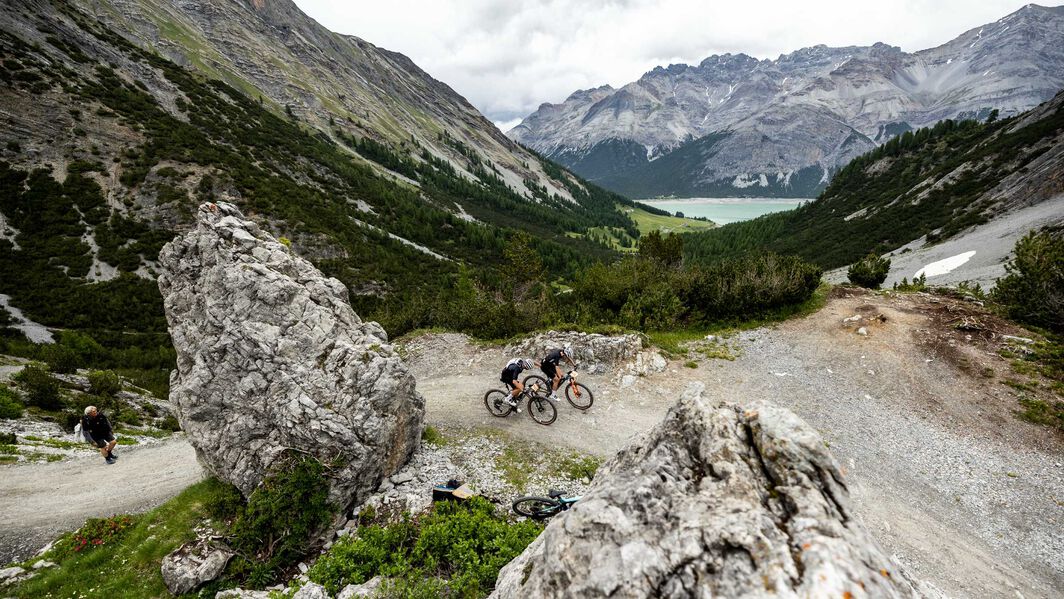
x,y
96,426
549,366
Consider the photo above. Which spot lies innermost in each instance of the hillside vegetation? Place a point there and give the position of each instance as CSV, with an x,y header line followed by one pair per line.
x,y
935,181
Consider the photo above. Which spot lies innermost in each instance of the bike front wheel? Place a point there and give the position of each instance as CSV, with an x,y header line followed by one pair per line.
x,y
544,384
537,508
542,410
496,403
579,396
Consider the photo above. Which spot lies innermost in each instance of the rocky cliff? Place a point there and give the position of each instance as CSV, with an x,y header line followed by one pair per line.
x,y
735,125
271,357
713,502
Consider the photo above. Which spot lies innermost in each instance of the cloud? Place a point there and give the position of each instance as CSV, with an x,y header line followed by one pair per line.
x,y
509,56
505,126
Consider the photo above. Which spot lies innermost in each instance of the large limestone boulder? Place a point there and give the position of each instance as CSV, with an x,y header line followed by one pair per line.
x,y
713,502
271,357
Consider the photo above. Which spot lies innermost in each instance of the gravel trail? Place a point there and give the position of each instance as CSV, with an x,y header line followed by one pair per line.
x,y
38,502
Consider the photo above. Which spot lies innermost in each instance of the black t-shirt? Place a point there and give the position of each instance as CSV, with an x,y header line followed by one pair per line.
x,y
553,357
99,427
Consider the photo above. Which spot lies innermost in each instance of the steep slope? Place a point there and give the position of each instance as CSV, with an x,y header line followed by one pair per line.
x,y
108,147
917,189
271,49
785,126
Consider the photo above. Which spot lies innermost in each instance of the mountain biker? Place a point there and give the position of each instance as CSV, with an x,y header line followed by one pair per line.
x,y
511,377
549,366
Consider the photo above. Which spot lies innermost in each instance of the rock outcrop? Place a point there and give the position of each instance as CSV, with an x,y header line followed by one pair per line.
x,y
595,353
713,502
271,357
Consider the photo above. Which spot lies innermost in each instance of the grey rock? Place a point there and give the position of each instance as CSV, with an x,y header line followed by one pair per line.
x,y
312,591
193,564
628,380
12,572
1023,340
366,589
43,564
862,331
242,594
270,356
713,502
402,477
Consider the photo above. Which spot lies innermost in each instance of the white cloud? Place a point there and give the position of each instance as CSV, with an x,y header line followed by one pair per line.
x,y
505,126
508,56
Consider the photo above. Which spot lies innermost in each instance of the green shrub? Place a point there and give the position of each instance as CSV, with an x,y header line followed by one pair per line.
x,y
8,439
224,502
918,284
60,358
10,404
869,271
104,382
1033,290
42,389
275,528
169,423
456,550
433,436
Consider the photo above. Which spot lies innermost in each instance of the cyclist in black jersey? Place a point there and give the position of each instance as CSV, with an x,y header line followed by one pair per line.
x,y
511,377
549,366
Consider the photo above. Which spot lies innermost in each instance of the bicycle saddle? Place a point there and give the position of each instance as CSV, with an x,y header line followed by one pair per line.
x,y
555,493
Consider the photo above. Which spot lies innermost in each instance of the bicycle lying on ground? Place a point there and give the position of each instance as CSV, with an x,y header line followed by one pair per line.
x,y
579,396
541,508
539,408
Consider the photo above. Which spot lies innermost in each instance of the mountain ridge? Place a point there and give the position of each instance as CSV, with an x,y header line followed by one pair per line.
x,y
798,111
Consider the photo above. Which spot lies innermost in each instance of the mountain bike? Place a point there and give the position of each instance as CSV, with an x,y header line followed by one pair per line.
x,y
579,396
539,408
541,508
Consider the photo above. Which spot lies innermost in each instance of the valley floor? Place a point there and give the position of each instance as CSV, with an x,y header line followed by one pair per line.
x,y
967,496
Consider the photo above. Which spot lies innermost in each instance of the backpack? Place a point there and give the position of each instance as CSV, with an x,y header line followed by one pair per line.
x,y
81,435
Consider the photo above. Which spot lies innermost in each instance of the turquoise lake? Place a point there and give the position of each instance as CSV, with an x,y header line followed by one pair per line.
x,y
727,210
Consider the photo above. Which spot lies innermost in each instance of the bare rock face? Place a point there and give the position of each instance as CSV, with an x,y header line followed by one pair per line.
x,y
713,502
271,357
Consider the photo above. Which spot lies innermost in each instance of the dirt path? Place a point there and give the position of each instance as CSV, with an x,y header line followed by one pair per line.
x,y
40,501
966,495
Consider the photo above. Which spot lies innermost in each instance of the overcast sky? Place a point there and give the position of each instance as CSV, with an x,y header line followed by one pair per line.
x,y
509,56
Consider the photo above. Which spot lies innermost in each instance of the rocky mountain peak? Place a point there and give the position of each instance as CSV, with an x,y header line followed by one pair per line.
x,y
789,124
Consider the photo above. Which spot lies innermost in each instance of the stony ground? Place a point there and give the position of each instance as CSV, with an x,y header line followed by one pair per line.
x,y
969,497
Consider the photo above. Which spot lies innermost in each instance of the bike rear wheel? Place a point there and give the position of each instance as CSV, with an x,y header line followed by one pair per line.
x,y
537,508
495,401
542,410
579,396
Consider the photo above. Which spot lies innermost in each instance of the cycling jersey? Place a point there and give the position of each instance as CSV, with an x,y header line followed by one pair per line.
x,y
512,371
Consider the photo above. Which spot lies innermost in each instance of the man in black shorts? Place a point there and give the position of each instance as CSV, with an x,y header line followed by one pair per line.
x,y
549,366
511,377
98,428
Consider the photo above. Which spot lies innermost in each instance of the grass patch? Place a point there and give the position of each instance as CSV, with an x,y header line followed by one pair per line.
x,y
128,565
8,450
56,443
8,459
126,441
433,436
647,222
578,467
690,364
515,463
145,432
1043,412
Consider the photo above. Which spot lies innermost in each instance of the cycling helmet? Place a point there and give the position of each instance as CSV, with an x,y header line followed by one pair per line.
x,y
568,350
527,364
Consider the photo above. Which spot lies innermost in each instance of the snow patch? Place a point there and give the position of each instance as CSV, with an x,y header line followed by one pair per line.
x,y
35,332
403,240
944,266
361,206
949,61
